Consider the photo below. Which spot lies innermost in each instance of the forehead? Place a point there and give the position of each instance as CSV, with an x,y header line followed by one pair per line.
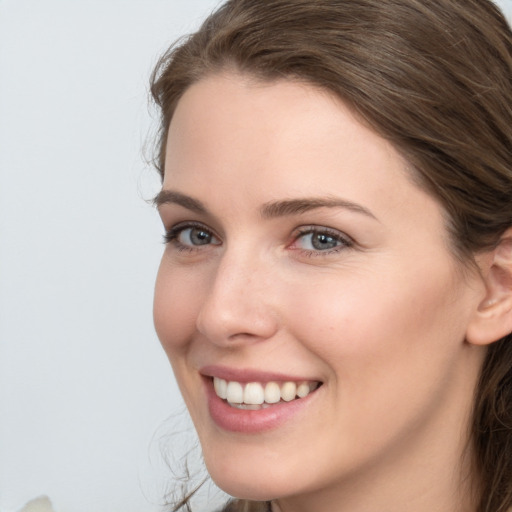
x,y
230,120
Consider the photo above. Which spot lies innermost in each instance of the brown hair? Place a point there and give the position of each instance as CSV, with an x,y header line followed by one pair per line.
x,y
434,77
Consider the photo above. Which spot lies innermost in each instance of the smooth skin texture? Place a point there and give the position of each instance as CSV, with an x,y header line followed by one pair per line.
x,y
364,296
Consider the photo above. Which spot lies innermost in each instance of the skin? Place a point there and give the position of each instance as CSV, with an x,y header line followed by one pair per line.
x,y
381,321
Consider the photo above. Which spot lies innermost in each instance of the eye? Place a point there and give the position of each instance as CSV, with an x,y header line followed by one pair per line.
x,y
194,236
190,236
317,239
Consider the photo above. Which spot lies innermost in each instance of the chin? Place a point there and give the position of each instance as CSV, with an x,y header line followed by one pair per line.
x,y
252,481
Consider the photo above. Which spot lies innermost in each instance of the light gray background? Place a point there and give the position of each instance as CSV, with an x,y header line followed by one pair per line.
x,y
85,389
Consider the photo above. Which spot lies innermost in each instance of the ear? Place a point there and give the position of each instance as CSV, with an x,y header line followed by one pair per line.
x,y
493,318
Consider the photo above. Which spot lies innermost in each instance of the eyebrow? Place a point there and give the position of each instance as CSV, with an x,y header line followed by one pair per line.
x,y
171,197
269,210
302,205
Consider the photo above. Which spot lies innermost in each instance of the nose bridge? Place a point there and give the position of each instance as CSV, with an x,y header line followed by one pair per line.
x,y
237,305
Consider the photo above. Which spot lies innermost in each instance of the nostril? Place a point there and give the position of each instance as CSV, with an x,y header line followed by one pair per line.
x,y
229,324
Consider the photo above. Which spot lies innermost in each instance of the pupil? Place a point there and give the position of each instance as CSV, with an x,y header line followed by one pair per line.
x,y
200,237
321,241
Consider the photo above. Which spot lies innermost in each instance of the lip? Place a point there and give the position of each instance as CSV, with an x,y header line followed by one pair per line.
x,y
250,375
251,421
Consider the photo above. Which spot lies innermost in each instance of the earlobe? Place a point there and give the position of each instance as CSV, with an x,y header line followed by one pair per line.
x,y
492,320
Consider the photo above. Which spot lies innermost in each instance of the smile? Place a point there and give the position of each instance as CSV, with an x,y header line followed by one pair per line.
x,y
259,395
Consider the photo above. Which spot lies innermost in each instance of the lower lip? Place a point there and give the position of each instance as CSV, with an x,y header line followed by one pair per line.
x,y
251,421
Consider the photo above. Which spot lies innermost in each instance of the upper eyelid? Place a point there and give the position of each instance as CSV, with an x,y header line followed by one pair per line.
x,y
316,227
296,233
304,230
180,226
171,213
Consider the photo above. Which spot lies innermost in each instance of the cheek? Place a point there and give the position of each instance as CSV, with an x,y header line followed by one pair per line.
x,y
176,305
378,327
391,346
402,298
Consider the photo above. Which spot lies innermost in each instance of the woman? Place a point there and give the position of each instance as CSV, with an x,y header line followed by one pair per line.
x,y
335,296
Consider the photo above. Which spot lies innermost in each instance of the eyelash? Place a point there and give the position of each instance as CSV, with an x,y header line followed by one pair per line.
x,y
343,241
171,236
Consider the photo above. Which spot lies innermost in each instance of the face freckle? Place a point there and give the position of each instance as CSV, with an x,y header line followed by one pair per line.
x,y
348,284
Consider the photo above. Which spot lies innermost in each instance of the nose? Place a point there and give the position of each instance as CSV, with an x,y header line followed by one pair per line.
x,y
238,305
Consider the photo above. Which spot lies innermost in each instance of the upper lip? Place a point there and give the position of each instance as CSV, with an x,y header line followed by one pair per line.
x,y
245,375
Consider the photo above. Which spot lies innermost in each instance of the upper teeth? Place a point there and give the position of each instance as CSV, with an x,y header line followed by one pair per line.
x,y
256,393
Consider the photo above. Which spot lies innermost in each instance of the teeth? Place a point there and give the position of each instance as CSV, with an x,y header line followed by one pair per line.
x,y
272,393
250,407
221,388
255,395
235,393
288,391
303,389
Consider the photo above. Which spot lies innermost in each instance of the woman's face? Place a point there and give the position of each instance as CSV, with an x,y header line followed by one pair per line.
x,y
302,259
